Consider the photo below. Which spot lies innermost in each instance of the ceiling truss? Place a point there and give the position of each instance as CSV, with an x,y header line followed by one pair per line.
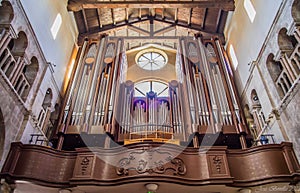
x,y
76,5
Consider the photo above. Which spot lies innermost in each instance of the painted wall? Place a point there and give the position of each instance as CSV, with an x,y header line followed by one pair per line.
x,y
247,38
41,15
136,73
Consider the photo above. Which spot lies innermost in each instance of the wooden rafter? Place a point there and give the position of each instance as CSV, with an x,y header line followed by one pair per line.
x,y
227,5
176,14
152,33
190,16
85,20
165,30
137,29
113,16
126,16
107,28
99,17
191,27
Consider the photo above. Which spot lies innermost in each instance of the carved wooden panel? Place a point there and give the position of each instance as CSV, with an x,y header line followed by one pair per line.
x,y
217,165
84,166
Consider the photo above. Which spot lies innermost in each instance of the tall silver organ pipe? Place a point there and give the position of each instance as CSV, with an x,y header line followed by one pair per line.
x,y
203,74
72,88
89,104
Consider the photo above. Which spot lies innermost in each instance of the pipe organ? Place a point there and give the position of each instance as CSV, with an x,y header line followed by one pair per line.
x,y
201,102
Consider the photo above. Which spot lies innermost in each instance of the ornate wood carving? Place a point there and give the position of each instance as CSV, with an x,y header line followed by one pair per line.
x,y
150,161
217,165
217,162
84,166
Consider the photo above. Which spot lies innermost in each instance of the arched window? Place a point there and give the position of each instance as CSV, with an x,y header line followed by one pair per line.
x,y
275,69
6,12
56,25
30,70
47,99
286,43
296,11
45,110
250,10
289,59
257,113
142,88
20,44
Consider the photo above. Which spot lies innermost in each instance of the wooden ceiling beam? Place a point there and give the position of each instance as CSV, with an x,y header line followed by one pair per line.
x,y
138,30
99,17
107,28
113,16
76,5
165,30
190,16
191,27
85,21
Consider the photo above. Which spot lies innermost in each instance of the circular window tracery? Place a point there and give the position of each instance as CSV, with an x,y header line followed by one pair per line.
x,y
152,59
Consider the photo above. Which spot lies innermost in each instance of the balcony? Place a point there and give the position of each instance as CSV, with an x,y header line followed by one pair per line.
x,y
152,162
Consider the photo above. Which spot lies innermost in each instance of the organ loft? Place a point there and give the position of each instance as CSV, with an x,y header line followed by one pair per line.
x,y
151,105
108,108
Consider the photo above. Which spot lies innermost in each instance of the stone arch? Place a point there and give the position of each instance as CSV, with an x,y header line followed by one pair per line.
x,y
296,11
54,116
45,108
274,67
20,44
254,99
30,70
6,12
286,43
2,134
47,99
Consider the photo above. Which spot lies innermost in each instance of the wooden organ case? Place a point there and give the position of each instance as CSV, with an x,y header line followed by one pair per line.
x,y
202,107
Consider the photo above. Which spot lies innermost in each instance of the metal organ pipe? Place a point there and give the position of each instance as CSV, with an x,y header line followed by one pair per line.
x,y
93,83
71,97
225,111
80,94
98,78
84,91
231,90
208,76
114,86
189,75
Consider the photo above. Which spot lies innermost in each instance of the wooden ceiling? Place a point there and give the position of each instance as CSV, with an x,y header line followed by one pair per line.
x,y
150,20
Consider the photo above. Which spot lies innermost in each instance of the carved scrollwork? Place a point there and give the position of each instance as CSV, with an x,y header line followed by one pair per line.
x,y
217,161
150,161
84,165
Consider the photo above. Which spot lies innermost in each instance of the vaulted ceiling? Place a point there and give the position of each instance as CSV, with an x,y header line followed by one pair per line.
x,y
150,20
